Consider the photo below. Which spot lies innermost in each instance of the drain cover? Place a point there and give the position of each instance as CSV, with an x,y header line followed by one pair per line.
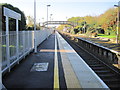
x,y
40,67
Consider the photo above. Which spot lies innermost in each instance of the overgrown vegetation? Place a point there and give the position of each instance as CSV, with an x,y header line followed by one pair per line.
x,y
105,23
30,23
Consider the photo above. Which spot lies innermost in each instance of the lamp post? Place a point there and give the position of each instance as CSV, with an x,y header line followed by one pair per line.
x,y
66,18
51,17
39,24
118,23
47,18
42,21
35,47
47,14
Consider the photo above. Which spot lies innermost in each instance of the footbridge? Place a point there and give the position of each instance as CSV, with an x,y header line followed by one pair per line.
x,y
59,23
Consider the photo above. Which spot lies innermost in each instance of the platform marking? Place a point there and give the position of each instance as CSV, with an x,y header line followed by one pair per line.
x,y
38,67
71,79
56,71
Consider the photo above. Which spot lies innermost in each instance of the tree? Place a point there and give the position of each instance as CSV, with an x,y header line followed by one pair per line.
x,y
22,23
108,19
104,23
30,22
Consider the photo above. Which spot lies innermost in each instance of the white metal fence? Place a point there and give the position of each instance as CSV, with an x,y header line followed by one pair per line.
x,y
12,54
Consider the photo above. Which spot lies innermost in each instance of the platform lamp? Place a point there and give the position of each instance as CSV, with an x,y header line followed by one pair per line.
x,y
47,18
35,46
51,17
47,14
118,24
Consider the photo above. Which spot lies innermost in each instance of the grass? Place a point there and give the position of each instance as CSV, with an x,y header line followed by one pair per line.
x,y
106,36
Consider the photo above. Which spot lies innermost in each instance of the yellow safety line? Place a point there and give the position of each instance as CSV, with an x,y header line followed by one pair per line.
x,y
56,71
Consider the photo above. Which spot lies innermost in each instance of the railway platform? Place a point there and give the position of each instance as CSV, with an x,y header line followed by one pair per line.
x,y
55,65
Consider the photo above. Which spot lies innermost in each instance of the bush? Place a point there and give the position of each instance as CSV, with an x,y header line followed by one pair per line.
x,y
100,31
91,32
94,34
76,31
30,28
72,31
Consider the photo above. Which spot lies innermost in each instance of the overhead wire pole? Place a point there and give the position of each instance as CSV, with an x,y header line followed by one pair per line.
x,y
35,47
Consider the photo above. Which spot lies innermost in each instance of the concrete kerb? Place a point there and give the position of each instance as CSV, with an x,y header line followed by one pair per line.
x,y
111,50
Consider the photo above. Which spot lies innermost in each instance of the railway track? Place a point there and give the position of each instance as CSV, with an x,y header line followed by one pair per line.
x,y
108,75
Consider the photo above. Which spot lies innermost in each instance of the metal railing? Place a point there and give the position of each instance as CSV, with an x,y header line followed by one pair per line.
x,y
12,54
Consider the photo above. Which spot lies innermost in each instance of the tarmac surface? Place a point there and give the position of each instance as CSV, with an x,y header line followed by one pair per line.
x,y
21,76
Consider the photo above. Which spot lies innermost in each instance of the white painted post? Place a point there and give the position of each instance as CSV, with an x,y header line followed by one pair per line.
x,y
7,43
47,22
0,47
24,42
28,41
17,41
35,46
32,39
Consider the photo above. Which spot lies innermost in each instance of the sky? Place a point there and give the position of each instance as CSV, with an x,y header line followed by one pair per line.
x,y
62,9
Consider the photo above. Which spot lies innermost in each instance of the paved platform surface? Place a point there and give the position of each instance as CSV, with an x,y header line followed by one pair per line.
x,y
86,77
66,69
22,77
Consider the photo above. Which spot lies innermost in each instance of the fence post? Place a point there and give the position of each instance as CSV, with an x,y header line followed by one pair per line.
x,y
28,40
32,39
17,41
7,43
0,47
24,42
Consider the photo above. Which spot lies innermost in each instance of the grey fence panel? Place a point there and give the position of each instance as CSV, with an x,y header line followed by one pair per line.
x,y
25,45
21,49
4,63
12,46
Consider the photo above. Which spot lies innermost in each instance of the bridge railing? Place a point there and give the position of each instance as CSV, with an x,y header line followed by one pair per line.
x,y
12,55
60,22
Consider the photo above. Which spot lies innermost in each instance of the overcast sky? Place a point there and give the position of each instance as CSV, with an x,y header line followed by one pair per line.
x,y
62,9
